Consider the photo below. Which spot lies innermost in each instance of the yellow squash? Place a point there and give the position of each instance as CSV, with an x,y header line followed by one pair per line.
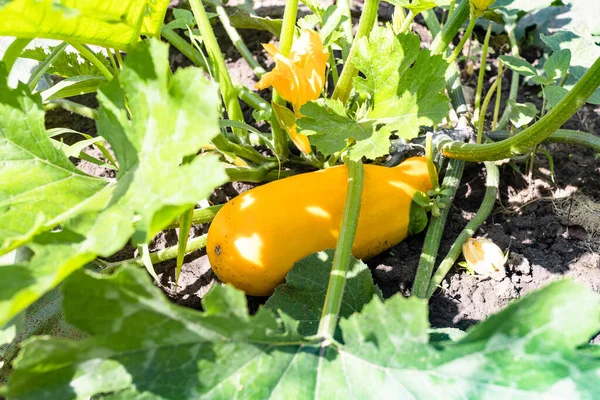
x,y
256,238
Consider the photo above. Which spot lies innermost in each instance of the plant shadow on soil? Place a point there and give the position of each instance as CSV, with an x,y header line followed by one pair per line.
x,y
543,244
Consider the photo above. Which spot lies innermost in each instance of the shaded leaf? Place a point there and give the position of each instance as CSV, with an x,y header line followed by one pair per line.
x,y
522,113
519,65
303,294
68,63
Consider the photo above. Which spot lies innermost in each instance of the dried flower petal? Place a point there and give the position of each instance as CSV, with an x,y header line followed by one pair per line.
x,y
483,256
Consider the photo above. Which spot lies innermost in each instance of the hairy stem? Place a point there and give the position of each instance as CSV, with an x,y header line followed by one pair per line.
x,y
487,205
514,84
228,91
481,75
367,20
435,231
343,251
536,133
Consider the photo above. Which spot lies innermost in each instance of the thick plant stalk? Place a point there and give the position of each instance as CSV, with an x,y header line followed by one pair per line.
x,y
367,21
567,136
455,21
228,91
487,205
435,231
453,85
538,132
343,251
266,172
248,153
464,39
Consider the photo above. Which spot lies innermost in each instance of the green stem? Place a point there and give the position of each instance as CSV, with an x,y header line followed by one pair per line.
x,y
263,173
398,18
184,47
87,53
169,253
407,22
185,223
344,5
484,51
435,231
73,107
536,133
484,106
237,40
566,136
228,91
37,73
200,216
333,67
464,39
514,84
248,153
433,176
13,52
252,99
113,62
498,96
453,85
119,58
451,28
280,139
483,213
343,251
367,20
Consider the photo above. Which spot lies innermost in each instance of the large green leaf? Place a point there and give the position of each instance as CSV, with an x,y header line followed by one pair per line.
x,y
303,295
115,24
402,88
171,118
529,350
39,187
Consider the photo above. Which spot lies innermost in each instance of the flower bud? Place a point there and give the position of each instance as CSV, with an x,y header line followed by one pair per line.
x,y
483,256
480,6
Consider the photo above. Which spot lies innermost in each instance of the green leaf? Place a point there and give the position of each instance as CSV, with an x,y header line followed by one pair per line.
x,y
140,333
331,127
554,94
558,64
39,185
154,17
171,118
377,145
303,295
418,6
242,19
519,65
584,51
528,350
73,86
183,19
69,63
403,98
522,113
115,24
418,218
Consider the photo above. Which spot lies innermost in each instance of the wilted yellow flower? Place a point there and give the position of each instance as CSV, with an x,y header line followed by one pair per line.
x,y
483,256
300,76
481,5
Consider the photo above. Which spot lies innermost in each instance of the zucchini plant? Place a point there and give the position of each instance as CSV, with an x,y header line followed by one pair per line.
x,y
78,323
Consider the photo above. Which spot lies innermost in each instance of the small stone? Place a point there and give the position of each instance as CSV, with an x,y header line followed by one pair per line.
x,y
518,263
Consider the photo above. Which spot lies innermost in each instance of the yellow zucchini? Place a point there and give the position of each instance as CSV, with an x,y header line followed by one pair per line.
x,y
256,238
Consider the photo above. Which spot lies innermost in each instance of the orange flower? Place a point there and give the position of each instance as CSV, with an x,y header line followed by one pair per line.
x,y
300,76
